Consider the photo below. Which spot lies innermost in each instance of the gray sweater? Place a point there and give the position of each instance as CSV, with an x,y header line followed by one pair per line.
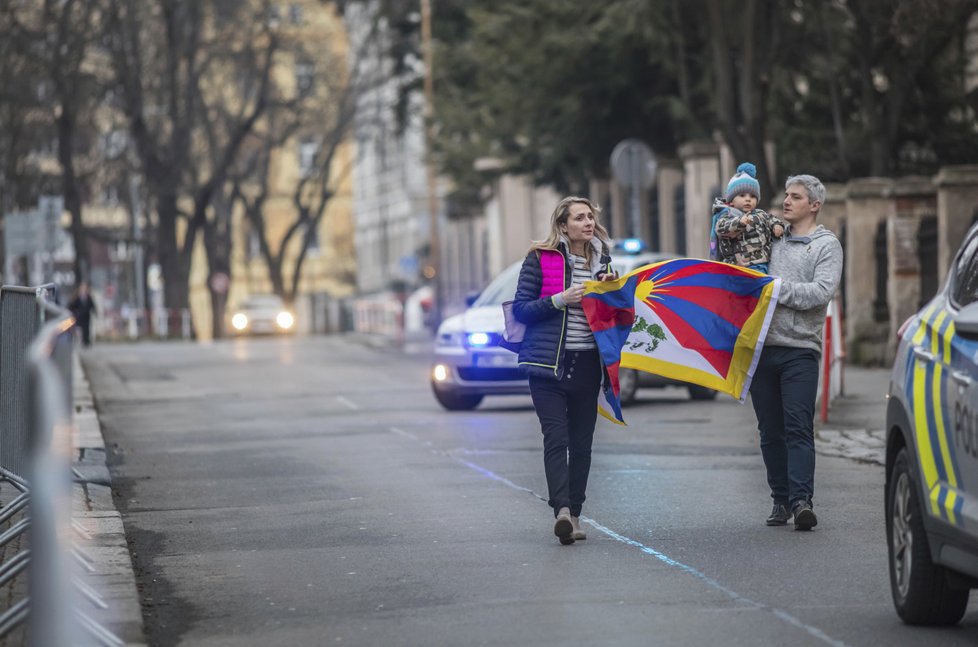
x,y
810,268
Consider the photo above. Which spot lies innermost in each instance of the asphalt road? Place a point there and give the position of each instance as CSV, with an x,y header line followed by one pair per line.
x,y
311,492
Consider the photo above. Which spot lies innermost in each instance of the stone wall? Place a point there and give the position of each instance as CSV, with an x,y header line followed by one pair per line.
x,y
957,209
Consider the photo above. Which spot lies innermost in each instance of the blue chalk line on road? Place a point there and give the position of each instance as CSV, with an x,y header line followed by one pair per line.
x,y
662,557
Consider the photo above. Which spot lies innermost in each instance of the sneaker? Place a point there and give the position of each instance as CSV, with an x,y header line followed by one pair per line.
x,y
779,515
805,518
563,527
578,534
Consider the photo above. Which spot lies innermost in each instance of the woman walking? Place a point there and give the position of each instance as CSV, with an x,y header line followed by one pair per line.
x,y
559,353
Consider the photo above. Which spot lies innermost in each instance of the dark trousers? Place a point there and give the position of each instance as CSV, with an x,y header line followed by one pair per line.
x,y
783,393
567,410
86,333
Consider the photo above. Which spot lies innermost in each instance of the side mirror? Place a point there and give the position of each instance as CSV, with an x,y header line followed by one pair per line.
x,y
966,323
470,298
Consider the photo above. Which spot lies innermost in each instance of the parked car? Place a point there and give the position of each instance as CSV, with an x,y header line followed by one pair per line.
x,y
470,364
262,314
931,500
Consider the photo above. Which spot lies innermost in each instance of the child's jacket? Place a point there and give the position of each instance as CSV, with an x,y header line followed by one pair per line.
x,y
738,244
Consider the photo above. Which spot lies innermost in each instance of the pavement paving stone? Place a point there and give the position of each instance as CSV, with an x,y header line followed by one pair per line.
x,y
855,428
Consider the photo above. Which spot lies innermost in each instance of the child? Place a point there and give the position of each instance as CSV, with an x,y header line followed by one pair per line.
x,y
741,234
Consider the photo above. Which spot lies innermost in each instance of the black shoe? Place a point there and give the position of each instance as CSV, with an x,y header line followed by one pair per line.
x,y
805,518
779,515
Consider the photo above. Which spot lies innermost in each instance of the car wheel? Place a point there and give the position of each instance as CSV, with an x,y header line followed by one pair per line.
x,y
457,401
921,590
628,386
697,392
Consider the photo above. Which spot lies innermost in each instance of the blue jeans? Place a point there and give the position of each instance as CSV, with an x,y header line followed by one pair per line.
x,y
783,393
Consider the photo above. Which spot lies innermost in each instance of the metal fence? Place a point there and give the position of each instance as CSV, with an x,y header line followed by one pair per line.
x,y
36,449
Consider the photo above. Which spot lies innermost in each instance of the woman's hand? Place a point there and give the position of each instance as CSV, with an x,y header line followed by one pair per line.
x,y
608,276
573,294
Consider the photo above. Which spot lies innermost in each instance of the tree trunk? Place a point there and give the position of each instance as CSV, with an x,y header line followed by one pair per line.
x,y
219,303
69,186
175,289
740,110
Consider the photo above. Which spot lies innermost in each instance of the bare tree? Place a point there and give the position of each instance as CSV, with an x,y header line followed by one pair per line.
x,y
21,103
174,61
743,44
313,124
70,29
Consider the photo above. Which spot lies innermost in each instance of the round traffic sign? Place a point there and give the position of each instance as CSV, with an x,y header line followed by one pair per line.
x,y
220,282
633,164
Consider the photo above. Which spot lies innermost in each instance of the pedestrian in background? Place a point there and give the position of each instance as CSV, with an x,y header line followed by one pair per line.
x,y
809,261
559,354
82,306
741,234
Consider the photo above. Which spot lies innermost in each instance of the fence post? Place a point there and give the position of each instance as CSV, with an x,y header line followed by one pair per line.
x,y
827,364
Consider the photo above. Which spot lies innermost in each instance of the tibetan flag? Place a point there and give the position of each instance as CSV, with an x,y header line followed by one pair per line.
x,y
696,321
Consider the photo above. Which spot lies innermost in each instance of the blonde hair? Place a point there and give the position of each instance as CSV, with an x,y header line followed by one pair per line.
x,y
559,217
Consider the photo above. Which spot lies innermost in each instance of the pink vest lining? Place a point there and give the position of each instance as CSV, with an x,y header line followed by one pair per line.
x,y
552,266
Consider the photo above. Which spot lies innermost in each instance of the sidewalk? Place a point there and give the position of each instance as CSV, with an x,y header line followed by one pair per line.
x,y
93,508
856,423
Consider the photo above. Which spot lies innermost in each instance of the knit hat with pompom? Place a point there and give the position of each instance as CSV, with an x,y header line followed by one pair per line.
x,y
743,181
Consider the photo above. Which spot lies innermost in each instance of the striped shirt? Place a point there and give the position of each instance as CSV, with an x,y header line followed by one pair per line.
x,y
579,335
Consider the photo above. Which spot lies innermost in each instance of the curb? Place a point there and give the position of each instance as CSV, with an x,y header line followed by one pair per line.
x,y
93,509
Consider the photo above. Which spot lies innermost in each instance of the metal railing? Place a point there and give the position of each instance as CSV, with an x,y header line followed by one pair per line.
x,y
36,449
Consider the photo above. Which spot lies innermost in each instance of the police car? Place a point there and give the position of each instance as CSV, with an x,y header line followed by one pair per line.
x,y
932,452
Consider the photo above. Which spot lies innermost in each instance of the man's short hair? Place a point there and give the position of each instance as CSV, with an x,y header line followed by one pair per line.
x,y
813,185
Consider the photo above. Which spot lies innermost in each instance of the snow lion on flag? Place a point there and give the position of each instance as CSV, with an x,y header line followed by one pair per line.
x,y
692,320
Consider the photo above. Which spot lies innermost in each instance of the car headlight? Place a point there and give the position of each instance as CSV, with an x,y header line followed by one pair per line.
x,y
239,321
440,373
284,320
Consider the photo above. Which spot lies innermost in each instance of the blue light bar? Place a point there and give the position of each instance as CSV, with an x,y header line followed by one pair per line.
x,y
632,245
478,339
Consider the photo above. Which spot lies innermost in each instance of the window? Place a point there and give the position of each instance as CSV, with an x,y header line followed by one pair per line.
x,y
312,238
305,73
965,281
308,151
110,195
254,244
274,15
295,14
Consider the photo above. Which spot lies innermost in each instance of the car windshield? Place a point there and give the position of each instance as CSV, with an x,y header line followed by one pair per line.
x,y
263,301
502,288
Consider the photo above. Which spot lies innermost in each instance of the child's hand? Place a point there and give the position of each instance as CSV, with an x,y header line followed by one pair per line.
x,y
777,231
745,220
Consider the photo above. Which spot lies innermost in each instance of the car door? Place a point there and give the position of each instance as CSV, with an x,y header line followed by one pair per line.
x,y
962,441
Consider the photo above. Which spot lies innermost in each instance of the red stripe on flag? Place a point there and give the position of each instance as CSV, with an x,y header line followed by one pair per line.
x,y
727,305
603,316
